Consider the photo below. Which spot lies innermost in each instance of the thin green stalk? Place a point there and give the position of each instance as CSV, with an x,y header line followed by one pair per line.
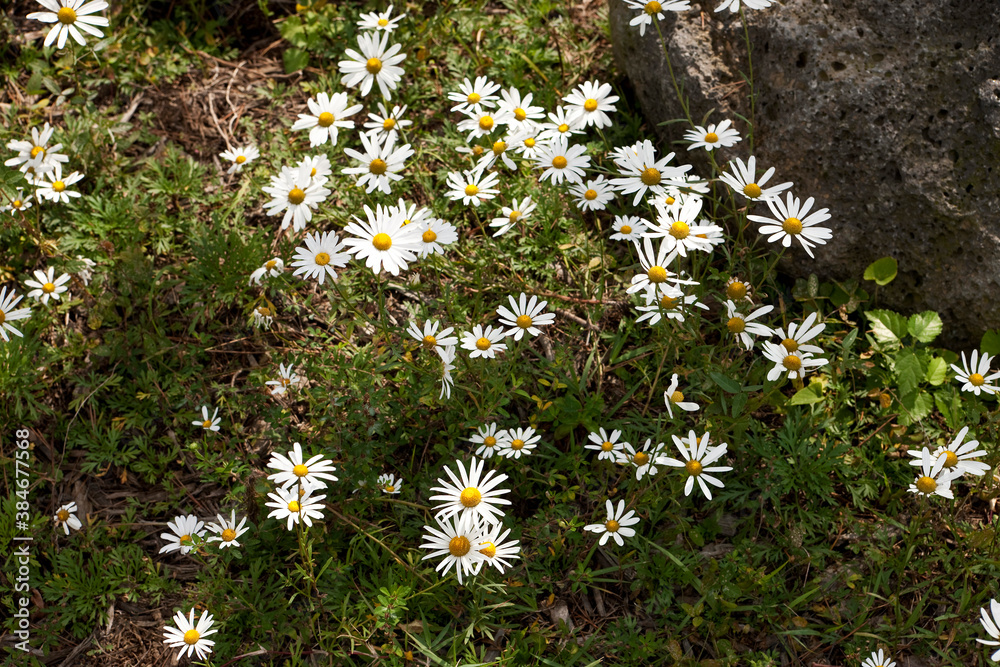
x,y
673,79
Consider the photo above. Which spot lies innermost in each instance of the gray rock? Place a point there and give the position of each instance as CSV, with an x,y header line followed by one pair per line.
x,y
888,113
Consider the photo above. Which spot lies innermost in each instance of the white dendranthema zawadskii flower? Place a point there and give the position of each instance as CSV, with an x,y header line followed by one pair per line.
x,y
295,505
494,548
654,264
500,150
793,220
799,334
411,215
430,337
734,6
47,286
207,423
470,493
472,187
55,188
20,202
990,620
481,124
519,442
643,460
388,483
473,96
934,479
188,637
483,342
36,154
629,228
698,456
327,113
516,111
959,457
795,364
65,518
877,658
487,438
294,193
383,21
263,317
592,195
678,227
434,235
186,531
374,64
559,125
513,214
319,166
525,316
379,163
976,376
294,471
9,314
589,103
738,290
321,256
562,162
447,355
647,10
617,524
607,445
713,136
227,531
240,157
383,241
454,538
70,17
526,142
743,180
286,378
668,301
679,191
743,327
642,173
387,123
272,267
673,396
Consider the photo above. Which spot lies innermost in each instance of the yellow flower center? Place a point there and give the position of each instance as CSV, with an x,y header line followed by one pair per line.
x,y
641,458
736,290
792,362
711,137
524,321
652,8
607,446
471,190
650,176
736,325
325,119
499,147
58,186
185,539
514,216
429,236
490,441
486,123
668,302
612,526
483,344
312,172
477,150
530,142
293,506
591,195
63,515
191,637
559,162
66,15
207,423
270,264
656,274
383,23
926,485
626,229
38,149
3,317
590,104
300,470
520,114
752,190
381,241
296,196
517,445
470,496
792,226
693,468
377,167
374,66
680,230
459,546
17,203
669,200
430,342
790,344
564,128
388,123
285,382
264,311
389,488
490,550
322,259
676,397
951,459
48,288
474,98
977,380
228,535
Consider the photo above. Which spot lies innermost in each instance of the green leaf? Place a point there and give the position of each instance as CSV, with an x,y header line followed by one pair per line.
x,y
937,371
918,405
888,327
727,384
925,326
882,271
991,342
849,340
739,402
909,372
295,60
949,404
807,395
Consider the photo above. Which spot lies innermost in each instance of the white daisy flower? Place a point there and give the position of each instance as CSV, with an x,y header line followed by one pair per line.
x,y
294,192
470,493
654,264
642,173
321,257
209,424
559,125
227,531
374,64
650,9
673,396
668,301
436,234
589,104
447,355
8,313
744,180
384,21
327,114
483,342
525,141
472,187
990,621
473,97
190,638
481,124
560,161
86,274
286,378
454,539
678,227
263,317
734,7
737,290
525,316
959,457
387,123
185,532
383,241
497,552
877,658
411,214
65,518
629,228
488,440
799,334
934,479
500,150
516,111
698,456
513,214
55,187
292,470
70,17
795,364
712,137
20,202
608,446
430,337
272,267
240,157
617,525
36,154
519,442
643,460
976,377
320,168
389,484
592,195
794,221
678,191
295,506
743,327
47,286
379,163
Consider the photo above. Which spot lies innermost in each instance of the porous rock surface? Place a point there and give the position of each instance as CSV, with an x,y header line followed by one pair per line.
x,y
888,113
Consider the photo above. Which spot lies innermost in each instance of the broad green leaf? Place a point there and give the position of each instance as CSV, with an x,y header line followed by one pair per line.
x,y
882,271
739,402
925,326
849,340
918,405
909,372
991,342
295,60
888,327
807,395
727,384
937,371
949,404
